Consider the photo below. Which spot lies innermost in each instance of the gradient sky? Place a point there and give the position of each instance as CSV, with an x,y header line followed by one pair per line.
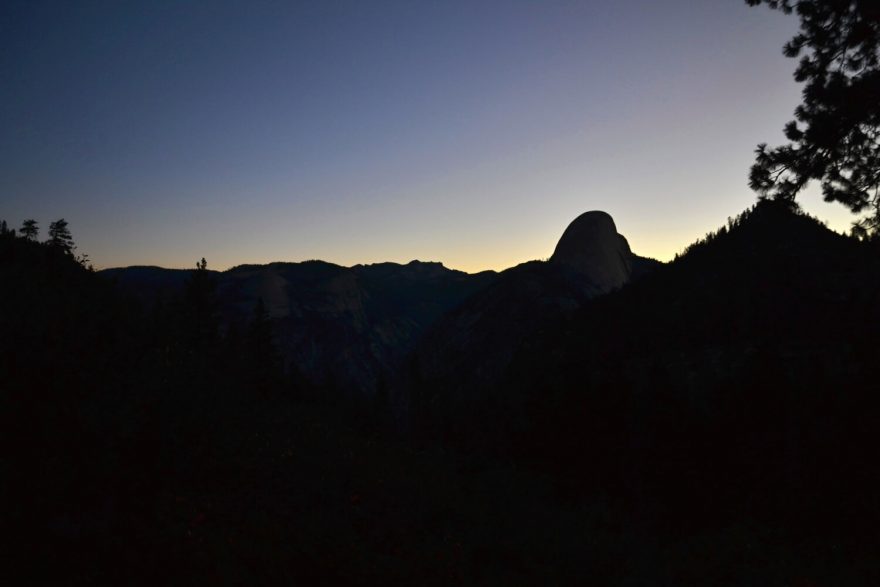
x,y
465,132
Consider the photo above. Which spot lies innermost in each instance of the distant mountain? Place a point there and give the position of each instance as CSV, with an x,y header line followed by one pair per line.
x,y
340,327
350,328
592,248
603,418
466,353
737,382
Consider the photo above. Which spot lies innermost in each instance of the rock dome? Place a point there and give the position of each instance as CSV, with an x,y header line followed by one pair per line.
x,y
591,246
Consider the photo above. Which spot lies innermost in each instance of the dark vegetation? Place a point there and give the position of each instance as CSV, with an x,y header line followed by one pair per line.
x,y
343,329
835,137
712,423
739,383
150,443
735,386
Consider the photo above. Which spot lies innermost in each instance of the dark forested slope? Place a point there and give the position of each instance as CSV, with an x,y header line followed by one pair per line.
x,y
345,328
739,381
713,422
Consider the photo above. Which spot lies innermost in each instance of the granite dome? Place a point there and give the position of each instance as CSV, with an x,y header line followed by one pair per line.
x,y
592,247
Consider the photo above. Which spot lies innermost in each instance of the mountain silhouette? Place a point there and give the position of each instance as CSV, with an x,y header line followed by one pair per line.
x,y
464,356
731,383
346,328
350,328
592,247
598,418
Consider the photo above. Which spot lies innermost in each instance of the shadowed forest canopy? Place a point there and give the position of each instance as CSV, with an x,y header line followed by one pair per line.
x,y
835,137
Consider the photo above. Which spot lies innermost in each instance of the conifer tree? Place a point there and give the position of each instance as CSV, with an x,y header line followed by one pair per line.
x,y
29,229
835,137
201,307
59,236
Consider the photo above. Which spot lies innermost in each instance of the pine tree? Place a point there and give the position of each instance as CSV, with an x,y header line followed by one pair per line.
x,y
835,138
29,229
200,309
59,236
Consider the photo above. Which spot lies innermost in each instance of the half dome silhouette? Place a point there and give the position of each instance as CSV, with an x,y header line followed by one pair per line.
x,y
592,247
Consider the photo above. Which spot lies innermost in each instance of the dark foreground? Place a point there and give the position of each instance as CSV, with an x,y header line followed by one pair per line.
x,y
715,423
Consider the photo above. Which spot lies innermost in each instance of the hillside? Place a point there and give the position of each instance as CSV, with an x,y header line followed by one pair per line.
x,y
145,448
343,328
738,382
451,384
712,421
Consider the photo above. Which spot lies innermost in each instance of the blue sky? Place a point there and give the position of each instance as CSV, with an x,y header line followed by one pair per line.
x,y
464,132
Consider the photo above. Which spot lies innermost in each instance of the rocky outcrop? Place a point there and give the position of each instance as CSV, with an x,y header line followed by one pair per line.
x,y
469,350
591,247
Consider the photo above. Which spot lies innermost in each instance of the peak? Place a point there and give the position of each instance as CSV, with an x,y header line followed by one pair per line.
x,y
592,247
594,216
417,263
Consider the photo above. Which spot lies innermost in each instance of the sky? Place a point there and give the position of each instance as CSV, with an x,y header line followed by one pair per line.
x,y
468,132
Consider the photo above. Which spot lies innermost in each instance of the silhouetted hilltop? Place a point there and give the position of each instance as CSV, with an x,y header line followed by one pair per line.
x,y
591,247
771,274
55,316
466,353
737,382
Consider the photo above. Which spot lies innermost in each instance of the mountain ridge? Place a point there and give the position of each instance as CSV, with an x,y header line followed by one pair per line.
x,y
341,327
353,327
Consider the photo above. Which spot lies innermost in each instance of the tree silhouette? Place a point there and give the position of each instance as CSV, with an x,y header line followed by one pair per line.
x,y
836,135
201,307
59,236
29,229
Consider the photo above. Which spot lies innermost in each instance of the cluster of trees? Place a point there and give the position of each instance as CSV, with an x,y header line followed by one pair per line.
x,y
60,237
736,383
114,405
835,137
243,355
